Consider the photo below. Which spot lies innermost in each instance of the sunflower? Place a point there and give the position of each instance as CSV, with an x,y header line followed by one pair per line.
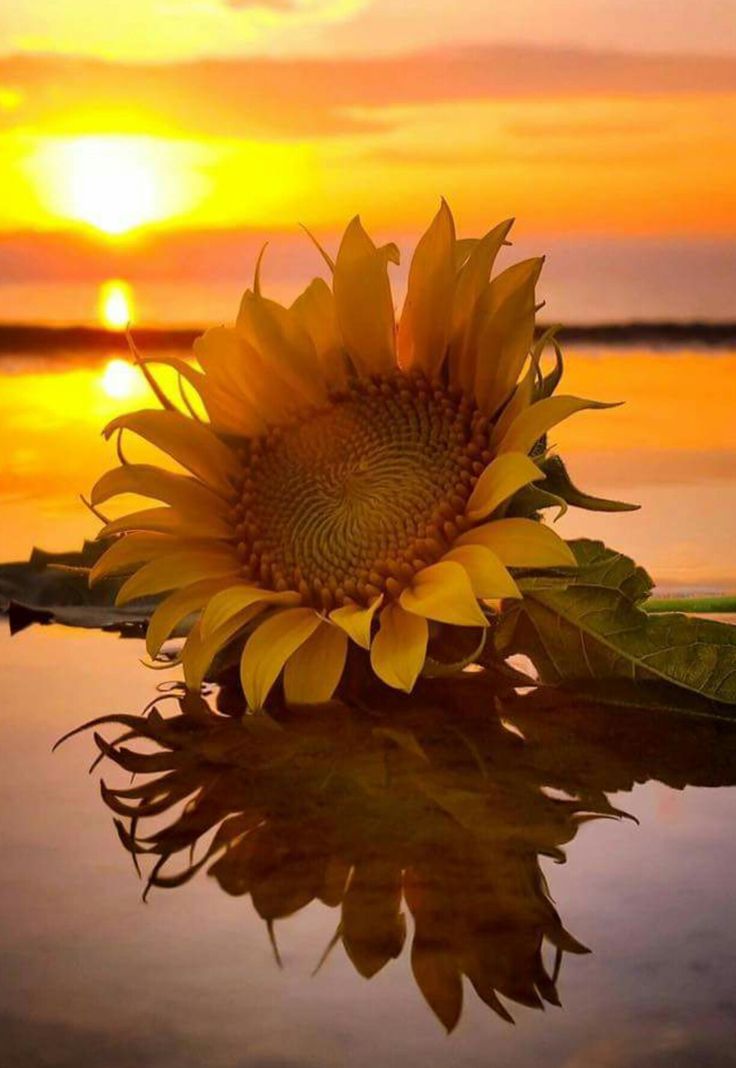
x,y
346,477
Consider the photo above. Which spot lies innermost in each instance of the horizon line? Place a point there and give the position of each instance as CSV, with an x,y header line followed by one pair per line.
x,y
23,337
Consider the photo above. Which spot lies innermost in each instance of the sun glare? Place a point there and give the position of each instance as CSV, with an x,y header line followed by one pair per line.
x,y
119,379
112,184
116,184
115,304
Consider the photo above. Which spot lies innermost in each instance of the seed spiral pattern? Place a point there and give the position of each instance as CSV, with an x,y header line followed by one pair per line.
x,y
358,496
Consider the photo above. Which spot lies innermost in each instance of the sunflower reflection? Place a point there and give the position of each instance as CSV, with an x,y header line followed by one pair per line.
x,y
439,807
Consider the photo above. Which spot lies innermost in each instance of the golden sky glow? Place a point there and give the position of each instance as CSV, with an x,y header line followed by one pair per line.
x,y
602,165
266,113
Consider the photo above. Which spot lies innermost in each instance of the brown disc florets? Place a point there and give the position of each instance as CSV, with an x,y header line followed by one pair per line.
x,y
359,495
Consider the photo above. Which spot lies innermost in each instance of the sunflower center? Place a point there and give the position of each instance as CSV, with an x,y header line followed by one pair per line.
x,y
352,501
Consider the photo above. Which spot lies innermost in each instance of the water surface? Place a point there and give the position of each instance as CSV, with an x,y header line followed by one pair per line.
x,y
90,975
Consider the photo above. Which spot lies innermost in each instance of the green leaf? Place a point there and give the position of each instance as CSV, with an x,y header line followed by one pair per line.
x,y
559,483
54,588
597,566
529,501
593,628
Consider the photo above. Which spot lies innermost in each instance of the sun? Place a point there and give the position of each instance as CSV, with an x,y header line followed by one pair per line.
x,y
113,183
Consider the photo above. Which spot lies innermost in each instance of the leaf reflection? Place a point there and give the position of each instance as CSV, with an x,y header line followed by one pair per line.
x,y
440,805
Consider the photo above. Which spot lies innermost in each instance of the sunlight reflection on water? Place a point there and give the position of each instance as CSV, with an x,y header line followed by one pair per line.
x,y
659,450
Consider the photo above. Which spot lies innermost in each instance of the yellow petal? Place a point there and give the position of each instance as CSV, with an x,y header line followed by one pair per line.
x,y
284,345
178,569
223,357
472,283
400,647
270,647
183,369
443,592
229,389
169,614
322,251
424,329
237,597
315,310
520,400
488,577
199,652
521,543
312,673
501,479
505,333
363,301
391,251
356,621
169,521
130,550
191,444
463,247
231,413
532,423
182,492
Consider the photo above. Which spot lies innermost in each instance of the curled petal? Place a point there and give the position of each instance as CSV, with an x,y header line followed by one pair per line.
x,y
169,521
521,543
501,479
356,621
268,649
488,576
182,492
191,444
443,592
532,423
399,649
312,673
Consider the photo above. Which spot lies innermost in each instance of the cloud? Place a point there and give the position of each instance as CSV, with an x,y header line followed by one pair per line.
x,y
273,97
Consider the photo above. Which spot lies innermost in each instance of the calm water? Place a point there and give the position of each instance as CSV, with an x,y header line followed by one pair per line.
x,y
90,975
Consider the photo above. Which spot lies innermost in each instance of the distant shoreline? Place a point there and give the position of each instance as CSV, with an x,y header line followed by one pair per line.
x,y
18,338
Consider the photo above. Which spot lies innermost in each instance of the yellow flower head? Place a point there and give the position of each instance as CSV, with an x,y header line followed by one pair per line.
x,y
348,481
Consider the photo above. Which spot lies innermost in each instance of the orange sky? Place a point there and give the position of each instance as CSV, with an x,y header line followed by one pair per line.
x,y
613,117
